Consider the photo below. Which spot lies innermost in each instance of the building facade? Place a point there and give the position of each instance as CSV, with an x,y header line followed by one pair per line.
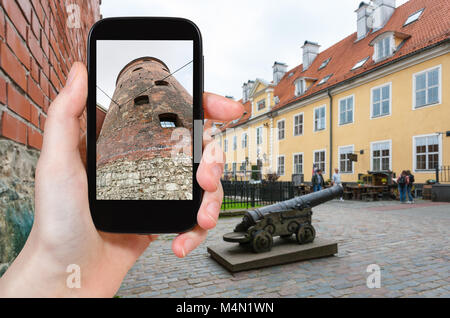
x,y
379,94
140,156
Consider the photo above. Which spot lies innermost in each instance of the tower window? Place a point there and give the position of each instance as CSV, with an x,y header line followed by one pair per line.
x,y
170,120
141,100
161,83
137,69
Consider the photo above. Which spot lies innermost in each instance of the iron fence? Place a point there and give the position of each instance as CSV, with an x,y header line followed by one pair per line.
x,y
245,195
443,174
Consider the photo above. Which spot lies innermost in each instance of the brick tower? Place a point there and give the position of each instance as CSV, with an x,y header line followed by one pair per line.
x,y
135,149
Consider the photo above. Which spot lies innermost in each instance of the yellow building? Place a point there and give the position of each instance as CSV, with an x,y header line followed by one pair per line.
x,y
380,93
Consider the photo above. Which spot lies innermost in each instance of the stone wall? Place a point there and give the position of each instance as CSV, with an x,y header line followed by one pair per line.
x,y
146,179
17,167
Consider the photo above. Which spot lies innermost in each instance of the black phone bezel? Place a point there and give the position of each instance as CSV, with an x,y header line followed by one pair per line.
x,y
142,216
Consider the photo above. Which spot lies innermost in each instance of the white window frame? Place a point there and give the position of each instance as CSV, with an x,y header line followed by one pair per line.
x,y
325,159
293,162
325,118
244,140
284,165
353,110
414,107
284,129
419,12
303,124
360,63
325,79
415,154
302,83
390,152
260,102
339,159
324,63
262,135
376,49
381,100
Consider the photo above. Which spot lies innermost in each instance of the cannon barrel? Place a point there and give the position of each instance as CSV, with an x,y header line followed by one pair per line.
x,y
305,201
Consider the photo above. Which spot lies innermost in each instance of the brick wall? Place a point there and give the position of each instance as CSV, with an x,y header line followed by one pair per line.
x,y
36,52
39,42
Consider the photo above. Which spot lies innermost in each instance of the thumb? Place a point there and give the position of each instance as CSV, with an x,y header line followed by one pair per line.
x,y
62,127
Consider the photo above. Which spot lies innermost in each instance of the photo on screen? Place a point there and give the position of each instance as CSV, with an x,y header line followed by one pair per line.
x,y
144,120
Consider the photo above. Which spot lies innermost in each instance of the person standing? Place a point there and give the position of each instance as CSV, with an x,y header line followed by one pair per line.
x,y
409,186
402,182
336,179
317,181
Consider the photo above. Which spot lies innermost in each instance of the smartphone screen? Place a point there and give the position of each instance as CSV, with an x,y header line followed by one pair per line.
x,y
144,92
145,124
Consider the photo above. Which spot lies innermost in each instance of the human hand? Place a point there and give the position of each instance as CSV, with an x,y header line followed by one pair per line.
x,y
63,232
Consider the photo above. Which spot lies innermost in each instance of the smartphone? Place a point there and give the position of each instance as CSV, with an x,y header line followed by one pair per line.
x,y
144,124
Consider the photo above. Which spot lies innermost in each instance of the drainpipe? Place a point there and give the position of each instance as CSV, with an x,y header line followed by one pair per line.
x,y
331,132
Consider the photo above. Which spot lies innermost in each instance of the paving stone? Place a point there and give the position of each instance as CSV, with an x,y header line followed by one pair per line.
x,y
409,245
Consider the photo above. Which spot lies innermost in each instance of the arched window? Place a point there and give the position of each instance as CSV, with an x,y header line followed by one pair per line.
x,y
137,69
161,83
141,100
170,120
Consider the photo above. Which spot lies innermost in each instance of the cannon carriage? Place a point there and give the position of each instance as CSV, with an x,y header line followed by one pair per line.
x,y
283,219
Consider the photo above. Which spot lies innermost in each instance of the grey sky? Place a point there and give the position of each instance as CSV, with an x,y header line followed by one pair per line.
x,y
112,56
242,38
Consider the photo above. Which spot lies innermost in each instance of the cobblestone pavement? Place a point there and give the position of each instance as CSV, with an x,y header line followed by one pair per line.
x,y
410,243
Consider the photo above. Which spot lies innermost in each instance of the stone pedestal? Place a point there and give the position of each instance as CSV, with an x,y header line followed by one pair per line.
x,y
237,258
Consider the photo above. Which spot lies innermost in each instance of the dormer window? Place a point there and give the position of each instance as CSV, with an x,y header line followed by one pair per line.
x,y
360,63
325,63
384,48
300,86
276,99
261,104
413,17
387,43
325,79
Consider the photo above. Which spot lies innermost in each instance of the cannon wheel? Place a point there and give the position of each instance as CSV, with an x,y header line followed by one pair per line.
x,y
262,242
305,234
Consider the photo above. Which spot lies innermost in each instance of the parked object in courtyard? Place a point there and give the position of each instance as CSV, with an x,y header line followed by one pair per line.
x,y
374,185
259,226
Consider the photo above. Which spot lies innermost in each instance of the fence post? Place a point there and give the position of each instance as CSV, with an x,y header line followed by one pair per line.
x,y
437,174
252,193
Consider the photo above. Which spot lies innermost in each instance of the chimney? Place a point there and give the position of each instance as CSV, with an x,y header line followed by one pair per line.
x,y
279,69
363,19
383,10
246,88
310,52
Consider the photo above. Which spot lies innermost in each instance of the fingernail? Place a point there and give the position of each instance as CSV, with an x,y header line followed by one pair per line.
x,y
188,246
211,210
71,76
217,170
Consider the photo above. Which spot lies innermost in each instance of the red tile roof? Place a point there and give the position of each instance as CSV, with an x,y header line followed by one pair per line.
x,y
431,28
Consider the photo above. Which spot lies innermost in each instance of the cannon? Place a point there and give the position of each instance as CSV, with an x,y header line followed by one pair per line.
x,y
284,219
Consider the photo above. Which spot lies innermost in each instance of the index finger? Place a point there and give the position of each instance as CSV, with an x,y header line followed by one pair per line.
x,y
221,108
